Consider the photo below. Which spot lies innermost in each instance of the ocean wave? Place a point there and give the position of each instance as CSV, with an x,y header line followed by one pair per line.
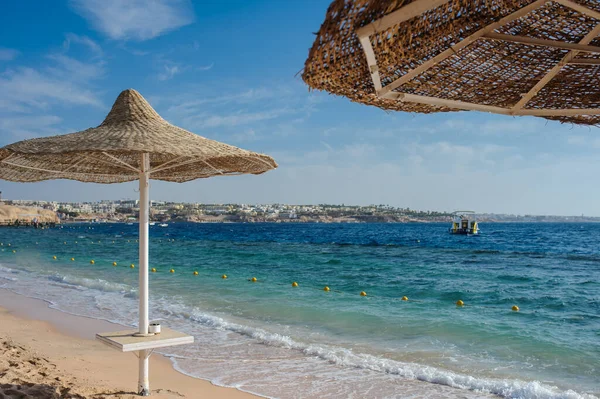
x,y
506,388
97,284
585,258
8,270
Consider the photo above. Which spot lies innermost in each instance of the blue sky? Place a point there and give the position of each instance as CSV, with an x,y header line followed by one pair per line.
x,y
229,71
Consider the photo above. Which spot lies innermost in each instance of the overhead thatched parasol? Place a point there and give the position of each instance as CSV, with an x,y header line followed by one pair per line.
x,y
512,57
133,143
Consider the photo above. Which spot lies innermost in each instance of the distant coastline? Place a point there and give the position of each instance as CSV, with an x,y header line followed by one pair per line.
x,y
171,212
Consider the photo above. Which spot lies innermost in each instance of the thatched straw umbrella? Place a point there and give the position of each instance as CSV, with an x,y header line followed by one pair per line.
x,y
133,143
511,57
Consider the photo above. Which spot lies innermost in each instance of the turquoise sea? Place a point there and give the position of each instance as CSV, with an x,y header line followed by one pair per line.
x,y
279,341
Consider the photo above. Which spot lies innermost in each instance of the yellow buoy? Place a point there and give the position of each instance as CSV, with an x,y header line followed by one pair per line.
x,y
54,257
362,293
72,259
254,279
132,266
515,308
153,270
460,303
405,298
92,262
172,271
326,288
294,284
224,276
114,263
195,273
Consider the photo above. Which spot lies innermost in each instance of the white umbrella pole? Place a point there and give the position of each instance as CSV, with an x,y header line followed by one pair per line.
x,y
143,355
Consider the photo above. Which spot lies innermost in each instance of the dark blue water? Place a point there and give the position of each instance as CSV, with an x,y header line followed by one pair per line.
x,y
549,348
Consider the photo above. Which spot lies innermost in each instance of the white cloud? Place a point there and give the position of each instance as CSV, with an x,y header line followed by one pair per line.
x,y
83,40
583,141
135,19
72,69
7,54
245,136
21,128
241,118
205,67
24,88
169,72
244,97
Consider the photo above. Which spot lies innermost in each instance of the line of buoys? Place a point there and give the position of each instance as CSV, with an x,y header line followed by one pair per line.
x,y
294,284
195,273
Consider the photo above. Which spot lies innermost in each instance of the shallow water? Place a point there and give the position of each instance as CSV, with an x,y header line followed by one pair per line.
x,y
275,340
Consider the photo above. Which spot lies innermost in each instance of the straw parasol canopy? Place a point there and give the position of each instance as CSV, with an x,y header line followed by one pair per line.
x,y
512,57
110,153
133,143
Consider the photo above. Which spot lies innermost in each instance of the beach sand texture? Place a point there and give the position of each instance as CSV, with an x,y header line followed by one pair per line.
x,y
46,360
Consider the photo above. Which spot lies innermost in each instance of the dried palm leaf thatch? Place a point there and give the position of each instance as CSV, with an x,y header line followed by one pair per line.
x,y
110,153
513,57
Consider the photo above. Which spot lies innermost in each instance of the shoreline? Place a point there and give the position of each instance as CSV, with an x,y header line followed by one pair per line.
x,y
46,350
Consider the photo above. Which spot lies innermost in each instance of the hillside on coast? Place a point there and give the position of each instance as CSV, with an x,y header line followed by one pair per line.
x,y
10,214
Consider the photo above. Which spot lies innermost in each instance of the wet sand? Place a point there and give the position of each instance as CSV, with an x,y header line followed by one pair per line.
x,y
45,353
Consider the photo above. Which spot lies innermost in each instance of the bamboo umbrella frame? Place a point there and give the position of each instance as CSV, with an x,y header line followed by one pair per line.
x,y
511,57
133,143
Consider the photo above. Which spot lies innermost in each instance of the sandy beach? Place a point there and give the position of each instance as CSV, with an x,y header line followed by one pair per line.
x,y
49,354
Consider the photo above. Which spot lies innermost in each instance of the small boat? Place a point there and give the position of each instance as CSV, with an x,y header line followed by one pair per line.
x,y
152,223
462,224
163,225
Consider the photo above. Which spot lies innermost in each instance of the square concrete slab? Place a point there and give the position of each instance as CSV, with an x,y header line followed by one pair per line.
x,y
126,341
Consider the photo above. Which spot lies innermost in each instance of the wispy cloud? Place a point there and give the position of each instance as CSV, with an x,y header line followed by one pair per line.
x,y
23,88
135,19
8,54
21,128
205,67
72,69
169,72
584,141
229,120
82,40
